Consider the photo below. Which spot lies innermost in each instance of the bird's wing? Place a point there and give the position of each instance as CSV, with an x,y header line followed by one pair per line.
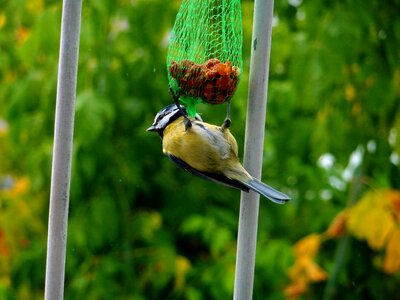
x,y
221,179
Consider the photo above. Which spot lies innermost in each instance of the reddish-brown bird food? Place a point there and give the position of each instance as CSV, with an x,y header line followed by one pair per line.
x,y
214,81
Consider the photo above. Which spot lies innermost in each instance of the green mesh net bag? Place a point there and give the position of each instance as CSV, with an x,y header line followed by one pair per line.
x,y
205,52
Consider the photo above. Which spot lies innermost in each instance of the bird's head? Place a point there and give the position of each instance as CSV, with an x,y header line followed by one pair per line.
x,y
166,116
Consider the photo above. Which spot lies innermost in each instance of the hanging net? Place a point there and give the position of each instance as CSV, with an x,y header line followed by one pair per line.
x,y
205,52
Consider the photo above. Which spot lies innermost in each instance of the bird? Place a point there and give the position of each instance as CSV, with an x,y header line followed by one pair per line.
x,y
206,150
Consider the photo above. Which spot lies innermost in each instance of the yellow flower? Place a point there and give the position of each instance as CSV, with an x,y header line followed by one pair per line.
x,y
371,219
35,6
3,20
376,218
391,263
296,289
305,270
182,267
350,92
308,246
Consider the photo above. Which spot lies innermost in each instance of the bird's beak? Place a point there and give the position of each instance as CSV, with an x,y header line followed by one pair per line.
x,y
151,128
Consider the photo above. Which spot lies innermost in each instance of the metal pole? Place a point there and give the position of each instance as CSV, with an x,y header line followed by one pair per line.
x,y
253,151
62,149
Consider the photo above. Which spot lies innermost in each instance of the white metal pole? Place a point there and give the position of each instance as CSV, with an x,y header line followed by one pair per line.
x,y
62,149
253,151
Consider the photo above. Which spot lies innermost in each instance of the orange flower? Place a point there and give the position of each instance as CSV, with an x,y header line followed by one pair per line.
x,y
391,263
394,200
21,35
308,246
296,289
4,250
314,272
337,226
375,218
305,270
20,186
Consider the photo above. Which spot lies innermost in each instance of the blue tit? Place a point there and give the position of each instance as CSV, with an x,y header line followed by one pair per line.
x,y
207,150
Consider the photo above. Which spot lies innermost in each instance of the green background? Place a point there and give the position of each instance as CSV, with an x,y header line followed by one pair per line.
x,y
140,228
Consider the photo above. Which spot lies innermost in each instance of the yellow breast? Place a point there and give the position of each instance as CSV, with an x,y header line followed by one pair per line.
x,y
203,146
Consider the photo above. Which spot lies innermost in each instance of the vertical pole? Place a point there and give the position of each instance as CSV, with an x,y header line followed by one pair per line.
x,y
253,151
62,149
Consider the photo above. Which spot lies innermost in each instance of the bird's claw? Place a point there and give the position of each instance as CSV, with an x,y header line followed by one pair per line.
x,y
187,123
226,124
175,97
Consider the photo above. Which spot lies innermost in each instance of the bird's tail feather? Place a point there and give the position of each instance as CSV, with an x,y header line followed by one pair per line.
x,y
267,191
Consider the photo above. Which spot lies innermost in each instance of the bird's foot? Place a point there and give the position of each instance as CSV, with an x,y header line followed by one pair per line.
x,y
226,124
187,123
227,121
175,97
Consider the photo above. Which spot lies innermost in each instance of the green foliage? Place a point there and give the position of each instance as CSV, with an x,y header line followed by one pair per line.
x,y
140,228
